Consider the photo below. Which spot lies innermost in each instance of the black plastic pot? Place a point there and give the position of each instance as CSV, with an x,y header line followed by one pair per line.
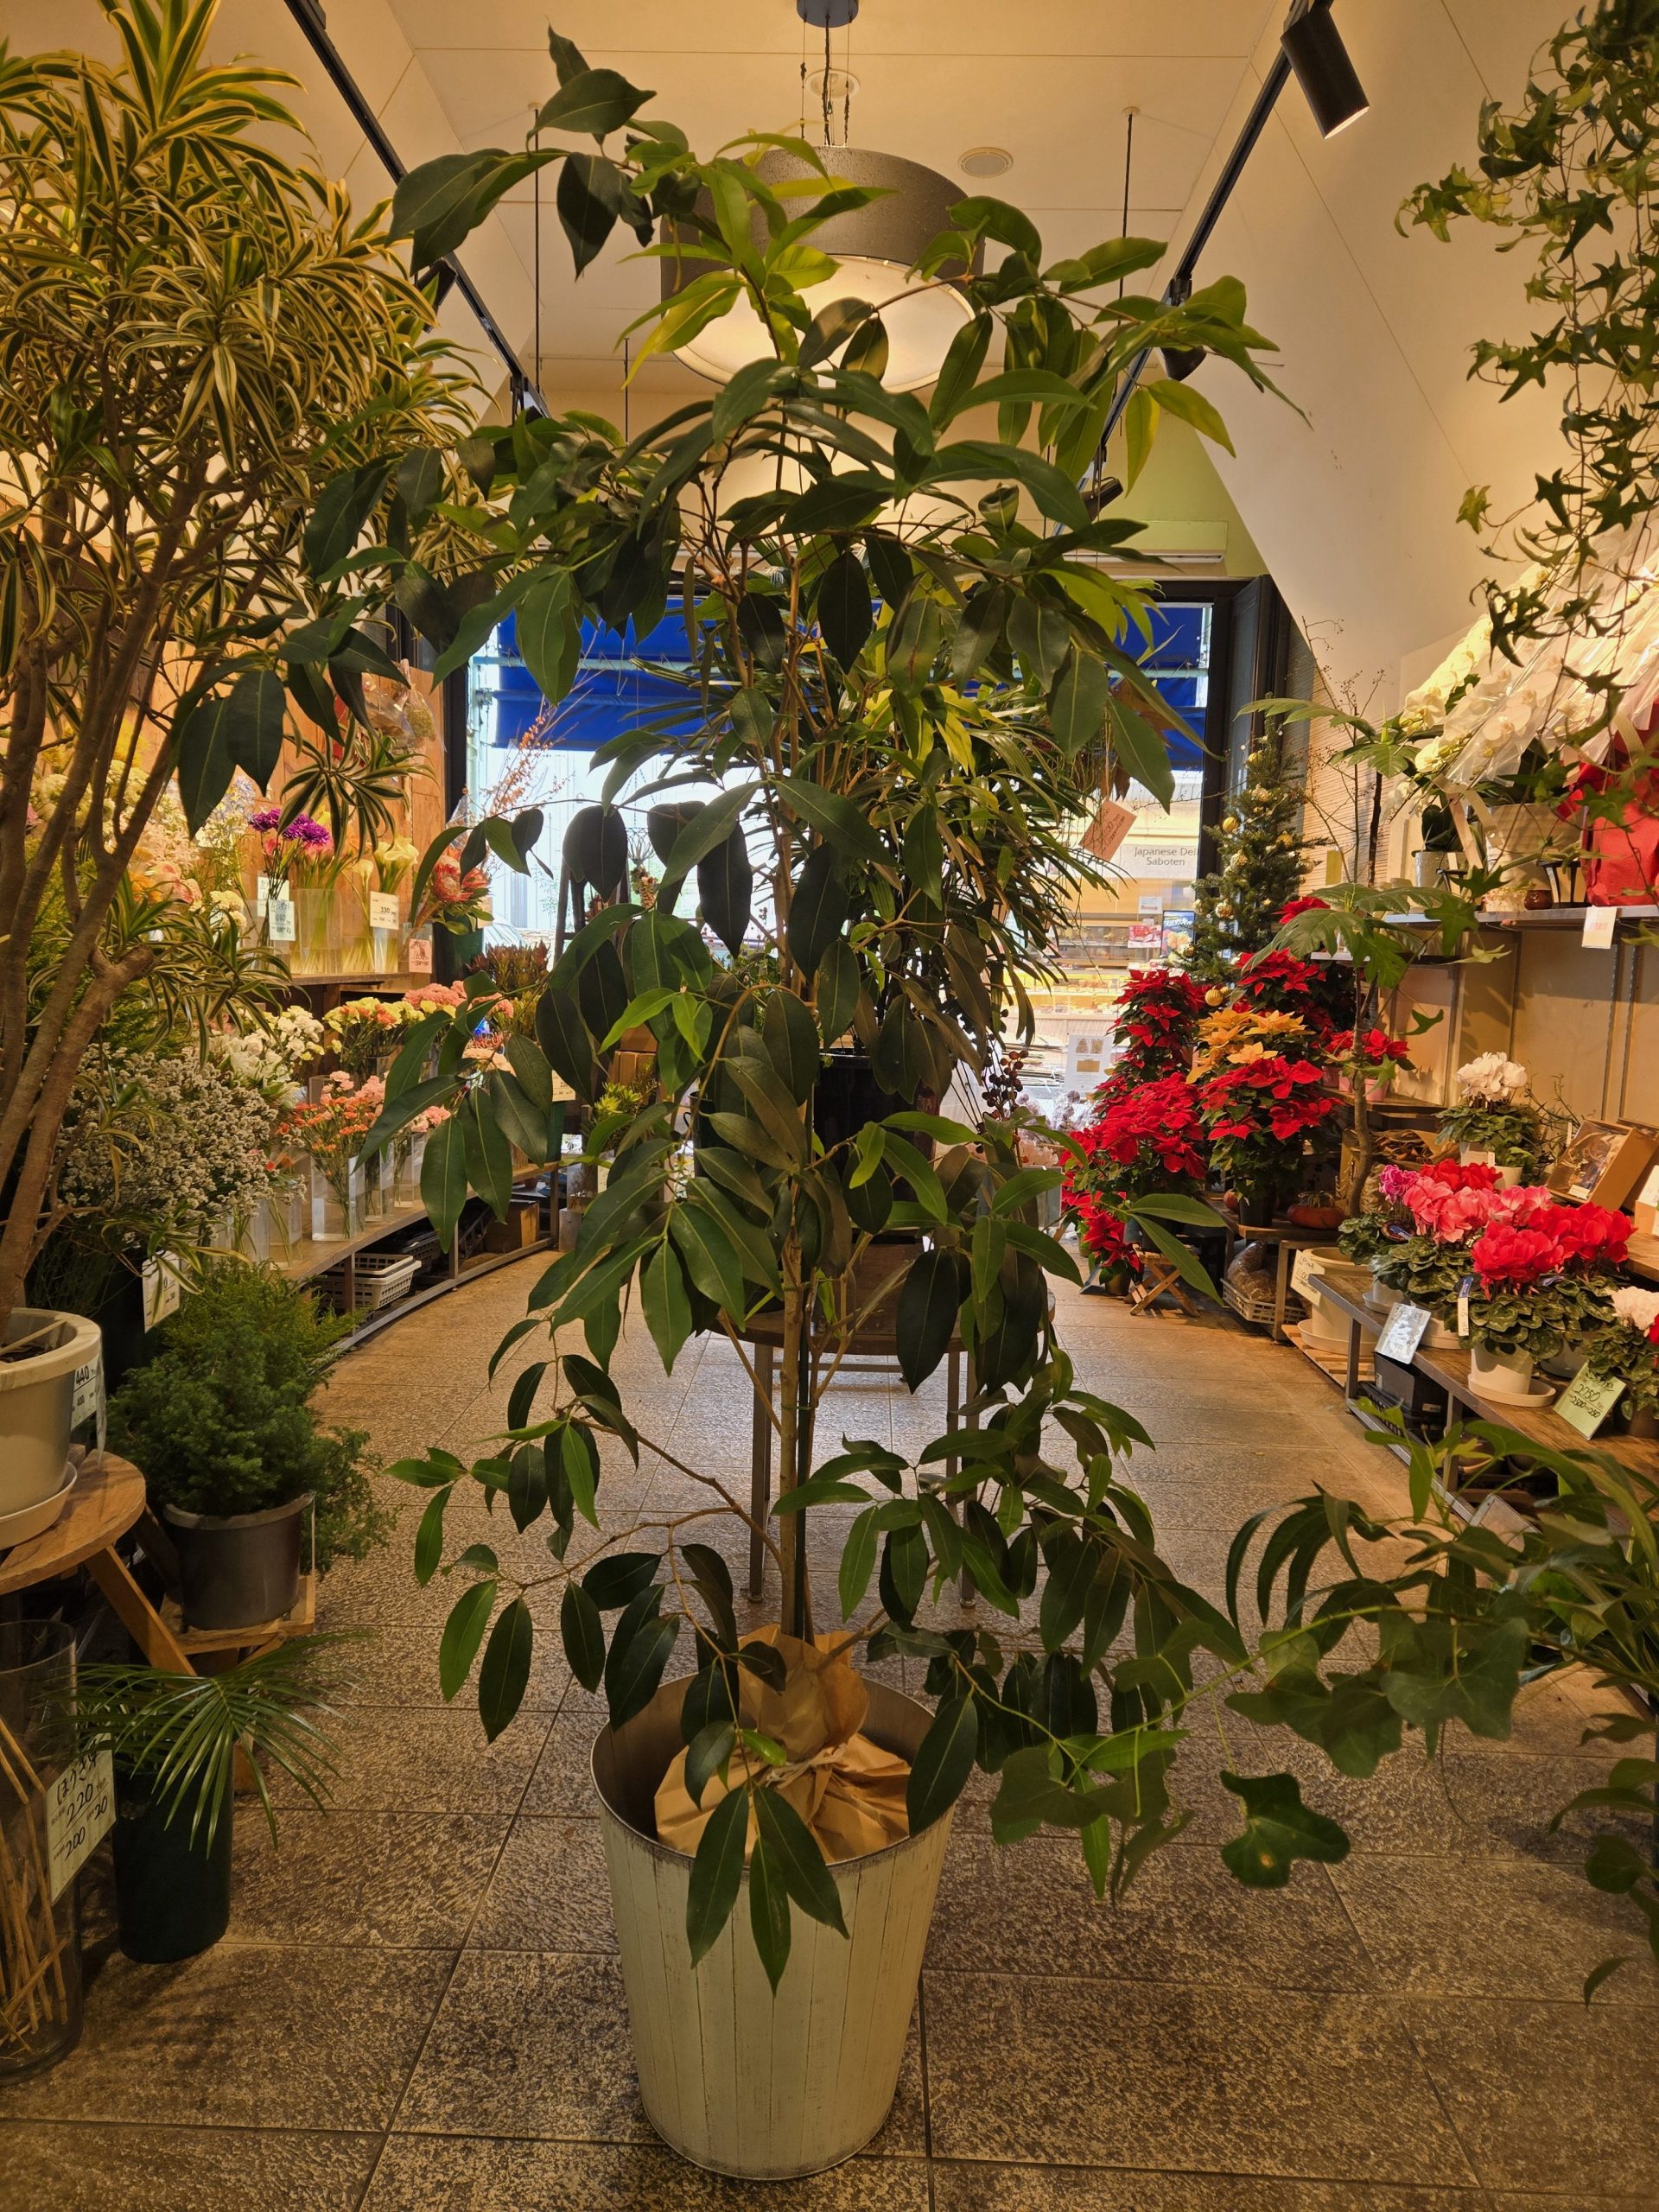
x,y
172,1895
240,1569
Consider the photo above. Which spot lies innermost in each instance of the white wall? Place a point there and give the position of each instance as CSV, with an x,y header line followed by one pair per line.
x,y
1353,503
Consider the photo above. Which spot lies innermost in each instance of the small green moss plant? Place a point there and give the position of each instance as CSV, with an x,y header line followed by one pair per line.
x,y
220,1421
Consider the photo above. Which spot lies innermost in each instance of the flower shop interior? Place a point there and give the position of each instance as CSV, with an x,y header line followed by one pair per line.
x,y
829,1106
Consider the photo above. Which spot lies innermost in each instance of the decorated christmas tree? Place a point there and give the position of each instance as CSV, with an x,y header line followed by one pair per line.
x,y
1259,847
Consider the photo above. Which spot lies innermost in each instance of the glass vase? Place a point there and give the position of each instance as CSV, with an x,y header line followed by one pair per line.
x,y
336,1202
309,953
40,1935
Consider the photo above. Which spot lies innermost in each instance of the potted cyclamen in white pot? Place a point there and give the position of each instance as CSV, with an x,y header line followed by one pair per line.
x,y
1540,1279
1628,1350
1497,1122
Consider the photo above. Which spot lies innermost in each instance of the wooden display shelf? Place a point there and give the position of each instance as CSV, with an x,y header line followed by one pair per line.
x,y
1330,1359
309,1256
300,1622
1343,1288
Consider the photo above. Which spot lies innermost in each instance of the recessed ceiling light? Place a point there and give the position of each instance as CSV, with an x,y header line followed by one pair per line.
x,y
985,160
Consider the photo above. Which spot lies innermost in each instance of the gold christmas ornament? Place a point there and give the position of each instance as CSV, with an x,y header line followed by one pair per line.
x,y
1230,824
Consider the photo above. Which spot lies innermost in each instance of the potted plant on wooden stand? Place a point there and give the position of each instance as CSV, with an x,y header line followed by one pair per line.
x,y
912,679
233,1455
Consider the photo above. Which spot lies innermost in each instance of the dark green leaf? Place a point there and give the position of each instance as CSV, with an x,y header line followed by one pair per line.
x,y
941,1768
583,1634
926,1313
817,911
593,105
800,1862
443,1179
845,614
839,982
717,1874
769,1913
505,1672
462,1634
792,1038
617,1580
1278,1830
706,1756
725,889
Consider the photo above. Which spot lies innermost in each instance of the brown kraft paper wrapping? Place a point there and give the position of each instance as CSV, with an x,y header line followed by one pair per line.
x,y
849,1792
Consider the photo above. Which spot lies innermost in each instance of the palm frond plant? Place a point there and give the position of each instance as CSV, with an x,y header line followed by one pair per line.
x,y
175,1740
210,370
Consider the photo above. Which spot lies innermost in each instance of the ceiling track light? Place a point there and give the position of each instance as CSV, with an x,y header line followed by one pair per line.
x,y
1312,45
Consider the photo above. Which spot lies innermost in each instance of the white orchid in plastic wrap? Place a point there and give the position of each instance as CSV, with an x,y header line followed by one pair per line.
x,y
1493,1080
1636,1307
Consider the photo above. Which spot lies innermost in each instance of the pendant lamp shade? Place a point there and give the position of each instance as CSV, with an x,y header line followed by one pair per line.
x,y
875,246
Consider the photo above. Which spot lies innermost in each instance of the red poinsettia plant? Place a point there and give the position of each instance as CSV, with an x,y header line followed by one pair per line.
x,y
1159,1010
1282,983
1258,1113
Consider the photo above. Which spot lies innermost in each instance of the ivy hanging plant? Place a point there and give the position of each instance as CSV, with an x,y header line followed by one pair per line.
x,y
1569,174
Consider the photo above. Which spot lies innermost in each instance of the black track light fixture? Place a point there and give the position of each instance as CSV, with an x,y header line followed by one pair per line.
x,y
1180,361
1312,45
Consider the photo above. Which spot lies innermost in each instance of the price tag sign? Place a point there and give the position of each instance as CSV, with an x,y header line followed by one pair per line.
x,y
382,910
1600,922
1588,1399
1475,1156
1305,1269
260,897
1462,1313
1403,1332
160,1282
561,1087
420,956
87,1390
279,915
80,1813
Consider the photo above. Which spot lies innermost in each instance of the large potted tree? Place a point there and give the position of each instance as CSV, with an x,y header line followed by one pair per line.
x,y
914,674
211,370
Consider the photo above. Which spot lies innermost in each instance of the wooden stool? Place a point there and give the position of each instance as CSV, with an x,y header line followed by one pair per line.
x,y
1160,1277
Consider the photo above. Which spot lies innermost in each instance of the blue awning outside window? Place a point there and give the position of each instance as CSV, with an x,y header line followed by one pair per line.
x,y
613,693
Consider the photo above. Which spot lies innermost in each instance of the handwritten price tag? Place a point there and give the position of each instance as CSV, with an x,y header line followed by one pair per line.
x,y
1600,922
161,1287
420,956
279,913
1588,1400
382,910
80,1813
1403,1332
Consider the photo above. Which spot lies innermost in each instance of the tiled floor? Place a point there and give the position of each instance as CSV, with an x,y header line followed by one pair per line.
x,y
418,2006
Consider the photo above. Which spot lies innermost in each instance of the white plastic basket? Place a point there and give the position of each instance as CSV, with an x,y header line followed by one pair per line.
x,y
381,1278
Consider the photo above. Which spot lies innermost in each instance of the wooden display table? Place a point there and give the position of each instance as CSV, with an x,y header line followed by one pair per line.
x,y
1345,1288
109,1502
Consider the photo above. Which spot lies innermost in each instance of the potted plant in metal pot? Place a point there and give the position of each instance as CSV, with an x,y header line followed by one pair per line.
x,y
173,1741
913,675
234,1456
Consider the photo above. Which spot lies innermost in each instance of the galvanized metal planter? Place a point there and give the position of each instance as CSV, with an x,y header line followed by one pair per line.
x,y
733,2079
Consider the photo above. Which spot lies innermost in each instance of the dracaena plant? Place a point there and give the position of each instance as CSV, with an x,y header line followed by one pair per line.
x,y
911,679
208,371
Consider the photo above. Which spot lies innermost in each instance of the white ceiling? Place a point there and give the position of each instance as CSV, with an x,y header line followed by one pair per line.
x,y
1048,81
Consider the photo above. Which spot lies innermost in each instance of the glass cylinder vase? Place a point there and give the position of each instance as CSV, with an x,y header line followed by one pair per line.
x,y
40,1934
309,955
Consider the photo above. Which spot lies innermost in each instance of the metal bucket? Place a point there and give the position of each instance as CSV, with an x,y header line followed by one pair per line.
x,y
734,2078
